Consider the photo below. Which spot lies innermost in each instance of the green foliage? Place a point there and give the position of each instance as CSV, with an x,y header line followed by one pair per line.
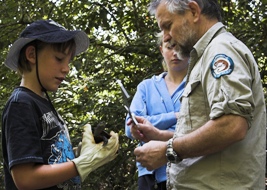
x,y
123,46
247,20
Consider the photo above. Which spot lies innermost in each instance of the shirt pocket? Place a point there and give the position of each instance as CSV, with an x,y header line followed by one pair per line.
x,y
194,110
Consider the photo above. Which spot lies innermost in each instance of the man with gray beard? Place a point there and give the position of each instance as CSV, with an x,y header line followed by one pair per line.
x,y
220,136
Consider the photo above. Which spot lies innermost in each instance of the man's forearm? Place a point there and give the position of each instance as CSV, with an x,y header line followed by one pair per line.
x,y
212,137
165,135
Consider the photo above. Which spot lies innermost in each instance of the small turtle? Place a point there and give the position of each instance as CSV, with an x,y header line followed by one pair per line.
x,y
100,134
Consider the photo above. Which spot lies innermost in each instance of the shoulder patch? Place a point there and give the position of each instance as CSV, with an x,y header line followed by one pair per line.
x,y
221,65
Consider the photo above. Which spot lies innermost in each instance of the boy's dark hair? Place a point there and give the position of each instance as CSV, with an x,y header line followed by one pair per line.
x,y
23,64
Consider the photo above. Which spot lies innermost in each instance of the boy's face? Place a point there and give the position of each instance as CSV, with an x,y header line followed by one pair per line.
x,y
53,66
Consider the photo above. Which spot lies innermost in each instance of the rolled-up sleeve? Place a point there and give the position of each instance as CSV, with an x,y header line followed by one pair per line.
x,y
230,93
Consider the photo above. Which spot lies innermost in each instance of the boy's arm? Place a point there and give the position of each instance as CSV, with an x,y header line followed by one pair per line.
x,y
38,176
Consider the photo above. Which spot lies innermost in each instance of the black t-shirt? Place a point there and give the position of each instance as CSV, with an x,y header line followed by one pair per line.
x,y
31,132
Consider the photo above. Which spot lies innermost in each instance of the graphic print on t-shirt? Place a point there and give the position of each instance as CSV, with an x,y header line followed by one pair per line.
x,y
60,149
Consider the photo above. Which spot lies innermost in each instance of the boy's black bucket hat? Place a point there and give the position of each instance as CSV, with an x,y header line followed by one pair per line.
x,y
47,31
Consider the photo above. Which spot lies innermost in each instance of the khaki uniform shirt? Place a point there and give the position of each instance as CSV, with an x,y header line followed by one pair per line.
x,y
223,78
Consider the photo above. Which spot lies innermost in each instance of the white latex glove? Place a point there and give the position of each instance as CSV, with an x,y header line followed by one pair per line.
x,y
95,155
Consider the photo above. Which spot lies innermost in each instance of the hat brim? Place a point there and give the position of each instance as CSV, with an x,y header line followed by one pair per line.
x,y
81,40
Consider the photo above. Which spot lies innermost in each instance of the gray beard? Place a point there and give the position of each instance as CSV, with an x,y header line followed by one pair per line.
x,y
181,51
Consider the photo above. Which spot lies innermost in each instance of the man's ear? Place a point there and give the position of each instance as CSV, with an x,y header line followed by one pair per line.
x,y
195,10
31,54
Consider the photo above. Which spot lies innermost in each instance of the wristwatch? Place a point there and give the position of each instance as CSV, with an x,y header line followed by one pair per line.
x,y
171,155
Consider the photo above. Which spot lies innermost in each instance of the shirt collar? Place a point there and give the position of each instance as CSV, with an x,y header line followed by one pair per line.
x,y
203,42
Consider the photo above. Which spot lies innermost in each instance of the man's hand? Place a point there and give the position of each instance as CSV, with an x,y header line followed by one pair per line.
x,y
152,155
145,131
135,132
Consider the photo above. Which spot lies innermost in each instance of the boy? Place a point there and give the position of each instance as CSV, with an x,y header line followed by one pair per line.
x,y
36,147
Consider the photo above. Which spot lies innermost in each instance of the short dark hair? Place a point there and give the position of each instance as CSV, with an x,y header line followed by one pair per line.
x,y
23,64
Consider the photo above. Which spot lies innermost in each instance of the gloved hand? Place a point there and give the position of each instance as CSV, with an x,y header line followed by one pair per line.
x,y
77,150
95,155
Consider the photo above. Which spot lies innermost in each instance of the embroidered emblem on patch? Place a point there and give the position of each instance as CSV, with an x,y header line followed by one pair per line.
x,y
221,65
